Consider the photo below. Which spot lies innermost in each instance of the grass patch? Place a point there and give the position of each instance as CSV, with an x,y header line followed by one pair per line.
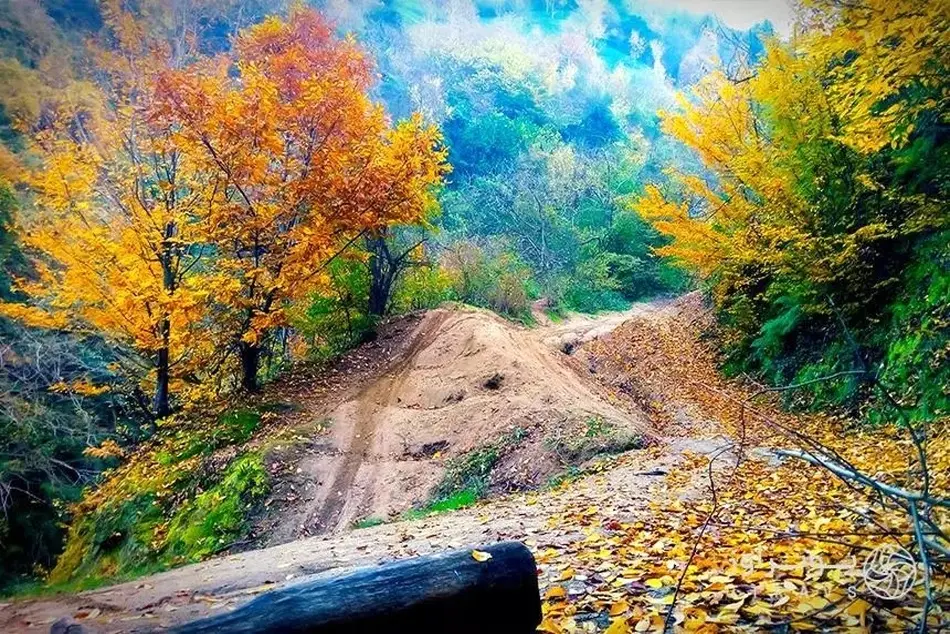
x,y
182,498
556,314
597,426
466,478
568,475
458,500
216,518
468,472
368,522
597,437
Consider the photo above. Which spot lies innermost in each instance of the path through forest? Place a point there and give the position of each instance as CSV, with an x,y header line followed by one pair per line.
x,y
610,541
621,488
454,381
376,397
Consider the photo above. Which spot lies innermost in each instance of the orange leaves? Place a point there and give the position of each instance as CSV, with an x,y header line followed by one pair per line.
x,y
193,202
302,160
108,449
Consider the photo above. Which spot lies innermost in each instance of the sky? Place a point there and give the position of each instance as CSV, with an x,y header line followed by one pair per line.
x,y
740,14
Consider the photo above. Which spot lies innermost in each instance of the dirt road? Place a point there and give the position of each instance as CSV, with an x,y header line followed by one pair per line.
x,y
421,386
378,396
390,442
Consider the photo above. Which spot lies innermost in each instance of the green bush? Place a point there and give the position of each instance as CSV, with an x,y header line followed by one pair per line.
x,y
422,287
217,517
182,498
492,277
468,472
336,319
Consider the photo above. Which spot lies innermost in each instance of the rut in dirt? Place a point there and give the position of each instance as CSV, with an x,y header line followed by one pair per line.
x,y
372,400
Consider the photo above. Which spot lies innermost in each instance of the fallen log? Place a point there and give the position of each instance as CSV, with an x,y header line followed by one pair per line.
x,y
462,591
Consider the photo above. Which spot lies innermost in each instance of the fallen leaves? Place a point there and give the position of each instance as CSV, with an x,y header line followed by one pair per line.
x,y
788,540
480,556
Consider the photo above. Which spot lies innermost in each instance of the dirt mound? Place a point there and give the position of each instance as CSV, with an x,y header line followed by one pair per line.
x,y
657,358
467,394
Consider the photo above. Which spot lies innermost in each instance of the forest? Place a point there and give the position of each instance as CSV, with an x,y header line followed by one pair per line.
x,y
203,203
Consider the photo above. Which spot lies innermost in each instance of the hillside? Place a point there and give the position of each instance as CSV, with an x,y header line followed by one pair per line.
x,y
433,388
612,540
660,288
462,390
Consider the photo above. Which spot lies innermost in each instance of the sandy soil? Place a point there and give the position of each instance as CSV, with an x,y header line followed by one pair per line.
x,y
459,378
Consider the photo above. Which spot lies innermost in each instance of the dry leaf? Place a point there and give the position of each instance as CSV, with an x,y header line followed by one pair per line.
x,y
480,555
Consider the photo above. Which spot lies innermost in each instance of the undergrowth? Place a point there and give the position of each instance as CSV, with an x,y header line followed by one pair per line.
x,y
182,498
467,477
368,522
598,436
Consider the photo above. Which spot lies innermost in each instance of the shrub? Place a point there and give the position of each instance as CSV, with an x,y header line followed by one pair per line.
x,y
181,498
491,277
217,517
422,287
336,318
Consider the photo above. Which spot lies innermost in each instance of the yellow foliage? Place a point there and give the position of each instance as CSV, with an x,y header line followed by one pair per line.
x,y
177,209
108,449
893,48
827,85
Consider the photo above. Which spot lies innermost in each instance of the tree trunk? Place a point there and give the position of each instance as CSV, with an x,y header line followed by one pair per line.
x,y
250,360
162,363
379,292
383,269
449,592
161,403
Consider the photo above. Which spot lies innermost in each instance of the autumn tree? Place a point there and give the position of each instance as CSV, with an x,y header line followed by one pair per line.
x,y
302,161
819,220
115,220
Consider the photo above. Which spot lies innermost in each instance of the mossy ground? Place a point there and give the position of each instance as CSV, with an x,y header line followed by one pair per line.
x,y
182,499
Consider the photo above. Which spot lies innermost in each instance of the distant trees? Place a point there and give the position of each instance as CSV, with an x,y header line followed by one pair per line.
x,y
561,209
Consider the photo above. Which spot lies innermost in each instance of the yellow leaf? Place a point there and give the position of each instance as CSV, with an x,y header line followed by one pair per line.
x,y
555,592
695,619
619,607
782,600
859,608
656,584
759,608
618,626
480,555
